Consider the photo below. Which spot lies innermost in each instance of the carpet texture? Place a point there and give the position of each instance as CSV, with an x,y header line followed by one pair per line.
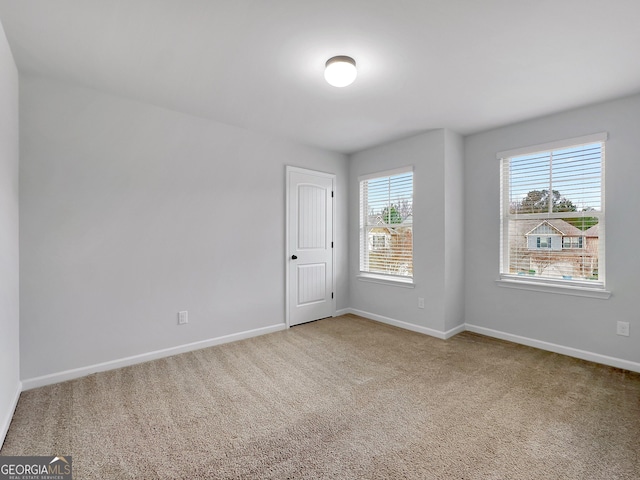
x,y
342,398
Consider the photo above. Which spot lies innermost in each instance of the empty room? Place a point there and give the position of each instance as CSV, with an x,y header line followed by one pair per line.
x,y
286,239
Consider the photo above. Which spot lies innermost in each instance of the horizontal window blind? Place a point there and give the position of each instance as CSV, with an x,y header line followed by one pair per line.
x,y
553,214
386,224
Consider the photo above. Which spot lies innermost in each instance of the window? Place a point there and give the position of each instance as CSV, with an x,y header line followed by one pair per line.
x,y
378,242
572,242
386,225
552,213
543,242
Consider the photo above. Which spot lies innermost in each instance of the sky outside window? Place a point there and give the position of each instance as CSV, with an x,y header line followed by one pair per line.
x,y
575,173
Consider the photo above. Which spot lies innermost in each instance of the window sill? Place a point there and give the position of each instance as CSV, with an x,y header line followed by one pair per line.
x,y
579,291
393,281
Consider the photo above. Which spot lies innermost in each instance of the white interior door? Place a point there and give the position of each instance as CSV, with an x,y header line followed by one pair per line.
x,y
309,245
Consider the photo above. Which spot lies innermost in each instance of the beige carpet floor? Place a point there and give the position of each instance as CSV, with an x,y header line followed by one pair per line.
x,y
343,398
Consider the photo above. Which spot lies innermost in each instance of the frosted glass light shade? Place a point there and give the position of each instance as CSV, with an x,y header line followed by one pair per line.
x,y
340,71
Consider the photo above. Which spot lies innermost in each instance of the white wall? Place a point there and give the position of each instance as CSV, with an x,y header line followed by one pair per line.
x,y
9,271
435,182
130,213
454,230
578,323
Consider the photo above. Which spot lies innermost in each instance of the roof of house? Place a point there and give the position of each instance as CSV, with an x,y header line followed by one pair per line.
x,y
592,231
562,227
378,219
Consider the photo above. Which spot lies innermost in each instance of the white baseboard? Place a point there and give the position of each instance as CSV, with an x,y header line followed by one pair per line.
x,y
407,326
50,379
552,347
454,331
6,421
58,377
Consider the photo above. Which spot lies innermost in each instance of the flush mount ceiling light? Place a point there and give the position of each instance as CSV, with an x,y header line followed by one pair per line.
x,y
340,71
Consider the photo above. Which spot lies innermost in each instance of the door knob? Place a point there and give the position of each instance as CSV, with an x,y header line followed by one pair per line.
x,y
294,257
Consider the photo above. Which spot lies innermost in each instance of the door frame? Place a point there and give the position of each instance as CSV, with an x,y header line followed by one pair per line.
x,y
332,176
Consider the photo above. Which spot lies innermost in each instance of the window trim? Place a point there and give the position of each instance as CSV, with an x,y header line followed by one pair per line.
x,y
558,144
376,277
549,285
568,288
386,279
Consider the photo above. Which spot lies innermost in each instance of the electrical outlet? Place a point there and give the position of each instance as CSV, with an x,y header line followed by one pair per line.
x,y
183,317
420,302
622,328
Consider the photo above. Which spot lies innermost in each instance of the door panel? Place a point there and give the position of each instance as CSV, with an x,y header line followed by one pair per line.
x,y
312,283
310,255
312,217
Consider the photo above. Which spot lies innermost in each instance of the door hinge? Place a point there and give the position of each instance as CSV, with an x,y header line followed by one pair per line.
x,y
331,193
331,244
331,294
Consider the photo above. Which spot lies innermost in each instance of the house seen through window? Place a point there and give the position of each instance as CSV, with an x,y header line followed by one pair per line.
x,y
552,213
386,224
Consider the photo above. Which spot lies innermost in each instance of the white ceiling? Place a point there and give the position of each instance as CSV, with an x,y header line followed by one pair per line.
x,y
467,65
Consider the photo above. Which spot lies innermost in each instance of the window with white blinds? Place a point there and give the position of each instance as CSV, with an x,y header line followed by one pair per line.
x,y
386,224
552,213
